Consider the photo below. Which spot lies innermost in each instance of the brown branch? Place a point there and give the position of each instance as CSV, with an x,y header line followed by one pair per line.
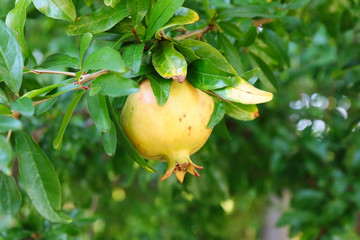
x,y
259,22
89,77
8,136
199,33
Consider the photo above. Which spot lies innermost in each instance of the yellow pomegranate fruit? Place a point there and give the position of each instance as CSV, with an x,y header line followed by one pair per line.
x,y
171,132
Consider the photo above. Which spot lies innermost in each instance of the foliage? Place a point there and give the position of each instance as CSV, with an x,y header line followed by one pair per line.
x,y
69,180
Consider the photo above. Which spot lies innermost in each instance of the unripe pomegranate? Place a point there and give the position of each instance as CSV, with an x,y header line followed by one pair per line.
x,y
171,132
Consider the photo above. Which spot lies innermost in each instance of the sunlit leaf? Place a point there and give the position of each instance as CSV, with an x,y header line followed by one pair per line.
x,y
58,9
206,76
99,21
241,112
104,58
168,62
182,16
160,13
11,61
137,9
132,57
15,20
114,85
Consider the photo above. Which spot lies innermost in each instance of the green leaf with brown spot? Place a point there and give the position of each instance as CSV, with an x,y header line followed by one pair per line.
x,y
168,62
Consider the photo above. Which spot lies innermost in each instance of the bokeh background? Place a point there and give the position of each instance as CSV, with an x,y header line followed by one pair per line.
x,y
296,166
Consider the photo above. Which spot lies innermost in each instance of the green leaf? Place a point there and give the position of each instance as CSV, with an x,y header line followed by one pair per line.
x,y
15,20
11,61
124,141
206,51
218,113
160,13
84,44
58,9
241,112
112,3
274,40
43,107
5,110
10,196
252,75
59,60
114,85
99,112
206,76
231,53
249,11
137,9
58,140
221,130
37,92
132,57
268,78
99,21
250,37
24,106
232,30
39,179
9,123
3,97
182,16
160,87
109,140
245,93
6,155
105,58
168,62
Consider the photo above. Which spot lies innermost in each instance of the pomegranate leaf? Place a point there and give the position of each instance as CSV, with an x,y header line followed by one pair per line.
x,y
218,113
58,9
10,200
39,179
160,13
24,106
168,62
241,111
11,60
231,53
104,58
58,140
6,154
98,111
9,123
15,20
203,74
137,9
132,57
109,140
114,85
182,16
160,86
99,21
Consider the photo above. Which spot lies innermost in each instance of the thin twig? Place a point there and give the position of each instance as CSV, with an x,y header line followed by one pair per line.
x,y
198,33
89,77
52,72
9,136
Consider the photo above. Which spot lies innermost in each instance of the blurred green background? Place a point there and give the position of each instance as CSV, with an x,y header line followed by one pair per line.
x,y
299,160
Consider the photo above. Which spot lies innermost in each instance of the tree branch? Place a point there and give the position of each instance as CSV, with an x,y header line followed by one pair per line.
x,y
199,33
52,72
89,77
